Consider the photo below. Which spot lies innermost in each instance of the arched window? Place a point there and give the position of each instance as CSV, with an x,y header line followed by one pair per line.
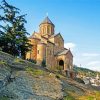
x,y
45,30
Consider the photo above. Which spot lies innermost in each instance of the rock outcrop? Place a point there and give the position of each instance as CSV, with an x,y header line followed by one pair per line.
x,y
23,80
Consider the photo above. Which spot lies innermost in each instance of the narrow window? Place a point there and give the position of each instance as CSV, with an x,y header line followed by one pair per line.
x,y
38,51
47,29
50,52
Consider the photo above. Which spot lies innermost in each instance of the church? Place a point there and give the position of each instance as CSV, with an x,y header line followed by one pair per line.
x,y
49,47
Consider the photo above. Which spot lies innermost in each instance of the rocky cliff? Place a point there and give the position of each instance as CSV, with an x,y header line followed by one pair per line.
x,y
23,80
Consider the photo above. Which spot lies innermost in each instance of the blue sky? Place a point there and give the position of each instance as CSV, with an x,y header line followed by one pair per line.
x,y
77,20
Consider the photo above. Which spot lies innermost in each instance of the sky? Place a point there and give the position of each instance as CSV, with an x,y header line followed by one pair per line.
x,y
78,21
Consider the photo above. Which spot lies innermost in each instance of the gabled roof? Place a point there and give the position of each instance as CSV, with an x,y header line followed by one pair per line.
x,y
34,38
60,36
41,42
44,37
63,52
47,20
54,35
51,42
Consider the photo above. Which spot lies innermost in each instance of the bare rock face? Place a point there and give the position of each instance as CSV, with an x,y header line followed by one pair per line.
x,y
4,74
26,87
22,80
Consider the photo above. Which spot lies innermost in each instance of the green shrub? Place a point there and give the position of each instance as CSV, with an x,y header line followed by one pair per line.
x,y
18,60
32,60
2,62
69,98
43,63
59,76
4,98
79,80
59,67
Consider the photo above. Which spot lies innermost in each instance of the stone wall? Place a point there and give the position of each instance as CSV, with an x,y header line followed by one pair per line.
x,y
50,60
41,52
62,57
32,54
69,61
51,39
59,44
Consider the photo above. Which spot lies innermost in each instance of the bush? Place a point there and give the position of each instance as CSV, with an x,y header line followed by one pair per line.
x,y
19,60
43,63
79,80
4,98
32,60
60,68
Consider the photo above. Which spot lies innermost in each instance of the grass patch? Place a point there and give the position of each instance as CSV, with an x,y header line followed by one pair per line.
x,y
68,97
59,75
3,62
87,98
4,98
35,72
18,60
94,96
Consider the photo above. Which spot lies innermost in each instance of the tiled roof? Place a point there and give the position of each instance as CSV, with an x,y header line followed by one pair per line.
x,y
54,35
41,42
62,52
47,20
51,42
34,38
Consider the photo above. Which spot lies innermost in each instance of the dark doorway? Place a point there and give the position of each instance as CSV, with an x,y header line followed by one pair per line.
x,y
61,64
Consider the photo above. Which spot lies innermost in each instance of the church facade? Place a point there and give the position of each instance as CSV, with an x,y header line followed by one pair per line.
x,y
49,47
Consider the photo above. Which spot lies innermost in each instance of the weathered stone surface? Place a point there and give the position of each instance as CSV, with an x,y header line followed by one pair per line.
x,y
22,80
21,85
4,74
26,87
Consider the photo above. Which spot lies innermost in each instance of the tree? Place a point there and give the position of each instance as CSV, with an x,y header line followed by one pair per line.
x,y
13,34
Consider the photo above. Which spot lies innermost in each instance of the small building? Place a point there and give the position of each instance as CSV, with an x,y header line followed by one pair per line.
x,y
49,47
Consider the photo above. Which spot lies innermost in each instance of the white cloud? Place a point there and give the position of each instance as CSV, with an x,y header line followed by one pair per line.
x,y
88,60
94,68
93,63
90,54
70,45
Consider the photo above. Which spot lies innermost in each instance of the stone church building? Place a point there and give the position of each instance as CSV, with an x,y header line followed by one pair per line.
x,y
48,46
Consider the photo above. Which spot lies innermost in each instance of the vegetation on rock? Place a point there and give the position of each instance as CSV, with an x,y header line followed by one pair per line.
x,y
35,72
35,82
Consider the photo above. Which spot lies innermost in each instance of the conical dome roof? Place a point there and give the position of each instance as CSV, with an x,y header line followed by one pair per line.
x,y
47,20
